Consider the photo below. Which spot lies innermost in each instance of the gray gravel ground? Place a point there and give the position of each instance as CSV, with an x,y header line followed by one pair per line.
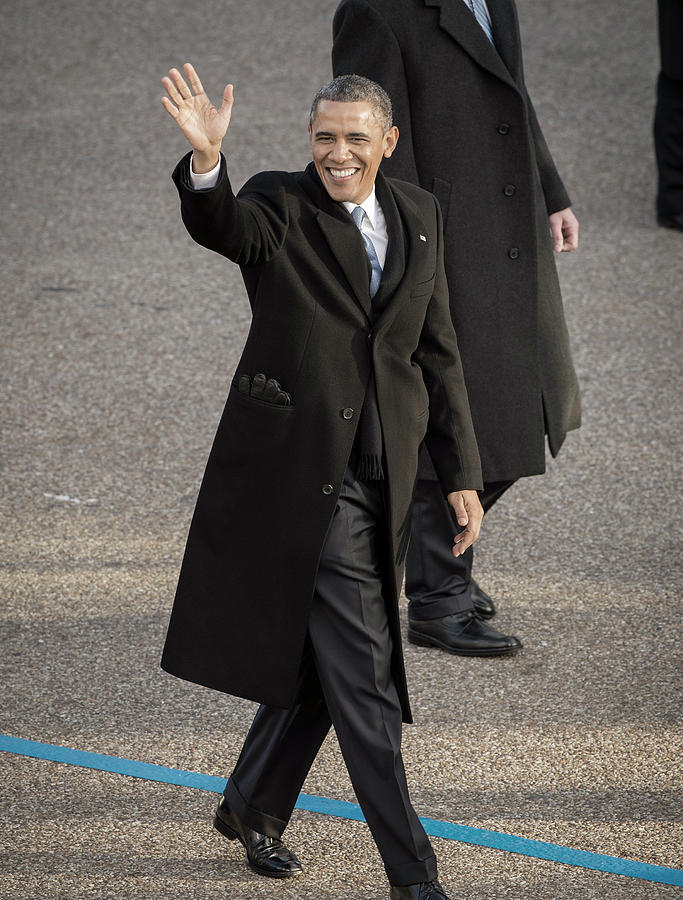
x,y
119,338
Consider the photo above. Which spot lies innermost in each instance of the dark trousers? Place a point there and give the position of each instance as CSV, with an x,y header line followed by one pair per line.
x,y
668,124
346,681
668,132
437,584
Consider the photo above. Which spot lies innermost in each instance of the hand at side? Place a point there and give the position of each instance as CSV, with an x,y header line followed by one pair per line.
x,y
468,512
564,228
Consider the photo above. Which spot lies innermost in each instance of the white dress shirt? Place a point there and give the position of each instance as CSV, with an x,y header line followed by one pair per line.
x,y
373,224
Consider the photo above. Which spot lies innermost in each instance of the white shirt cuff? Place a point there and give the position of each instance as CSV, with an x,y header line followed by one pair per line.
x,y
205,180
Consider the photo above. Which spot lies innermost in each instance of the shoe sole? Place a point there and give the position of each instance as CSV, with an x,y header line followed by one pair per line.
x,y
422,641
232,835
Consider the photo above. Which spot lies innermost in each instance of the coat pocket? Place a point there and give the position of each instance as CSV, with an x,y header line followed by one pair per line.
x,y
423,288
254,437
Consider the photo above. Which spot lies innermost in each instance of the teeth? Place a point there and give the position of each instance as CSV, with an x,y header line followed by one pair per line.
x,y
342,173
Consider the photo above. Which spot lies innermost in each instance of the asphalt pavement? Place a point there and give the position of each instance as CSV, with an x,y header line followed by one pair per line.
x,y
119,338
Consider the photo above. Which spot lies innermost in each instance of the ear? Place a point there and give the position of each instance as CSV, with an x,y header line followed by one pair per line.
x,y
390,141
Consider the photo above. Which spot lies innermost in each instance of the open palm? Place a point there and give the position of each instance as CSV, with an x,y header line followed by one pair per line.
x,y
202,124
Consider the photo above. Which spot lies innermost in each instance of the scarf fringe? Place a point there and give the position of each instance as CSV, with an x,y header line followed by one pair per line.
x,y
370,468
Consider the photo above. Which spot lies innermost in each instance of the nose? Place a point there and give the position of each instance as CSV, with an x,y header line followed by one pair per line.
x,y
340,152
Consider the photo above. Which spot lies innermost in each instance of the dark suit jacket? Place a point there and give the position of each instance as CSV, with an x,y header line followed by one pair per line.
x,y
468,132
271,483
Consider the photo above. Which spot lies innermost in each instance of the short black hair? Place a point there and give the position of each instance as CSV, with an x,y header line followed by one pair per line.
x,y
355,89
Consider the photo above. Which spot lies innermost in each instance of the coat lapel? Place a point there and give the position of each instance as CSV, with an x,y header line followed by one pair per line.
x,y
343,238
458,21
412,233
394,264
506,36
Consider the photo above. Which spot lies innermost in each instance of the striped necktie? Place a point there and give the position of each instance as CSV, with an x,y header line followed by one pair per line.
x,y
376,275
480,13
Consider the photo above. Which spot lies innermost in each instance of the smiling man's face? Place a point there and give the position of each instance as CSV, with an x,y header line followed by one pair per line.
x,y
348,143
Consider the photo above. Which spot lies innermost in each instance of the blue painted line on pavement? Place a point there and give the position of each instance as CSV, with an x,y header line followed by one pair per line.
x,y
342,809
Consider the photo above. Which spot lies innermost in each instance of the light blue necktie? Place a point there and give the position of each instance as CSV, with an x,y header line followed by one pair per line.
x,y
480,14
376,275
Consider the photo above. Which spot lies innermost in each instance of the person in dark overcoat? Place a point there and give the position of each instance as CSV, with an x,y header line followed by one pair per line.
x,y
288,592
469,133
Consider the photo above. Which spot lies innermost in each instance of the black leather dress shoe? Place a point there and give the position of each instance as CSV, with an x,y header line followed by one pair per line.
x,y
425,890
675,222
483,604
464,634
265,855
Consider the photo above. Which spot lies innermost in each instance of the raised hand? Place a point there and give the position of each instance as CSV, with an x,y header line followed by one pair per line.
x,y
202,124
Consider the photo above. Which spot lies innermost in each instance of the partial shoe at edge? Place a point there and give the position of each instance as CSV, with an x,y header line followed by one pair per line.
x,y
265,855
464,634
483,604
671,221
426,890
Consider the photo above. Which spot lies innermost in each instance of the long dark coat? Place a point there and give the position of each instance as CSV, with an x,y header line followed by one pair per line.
x,y
271,484
468,132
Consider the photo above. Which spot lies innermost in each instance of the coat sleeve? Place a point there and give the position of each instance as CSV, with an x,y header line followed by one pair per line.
x,y
450,437
249,229
556,197
365,44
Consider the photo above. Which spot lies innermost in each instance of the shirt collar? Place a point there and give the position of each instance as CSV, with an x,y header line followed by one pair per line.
x,y
369,206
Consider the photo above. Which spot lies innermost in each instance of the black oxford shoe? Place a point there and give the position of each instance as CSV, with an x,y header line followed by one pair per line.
x,y
265,855
484,606
675,221
425,890
464,634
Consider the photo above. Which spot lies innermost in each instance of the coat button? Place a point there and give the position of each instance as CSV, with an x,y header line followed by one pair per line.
x,y
509,190
503,128
513,252
371,336
327,489
347,413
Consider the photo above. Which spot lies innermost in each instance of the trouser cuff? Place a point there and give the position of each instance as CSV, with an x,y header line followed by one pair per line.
x,y
253,818
448,605
413,872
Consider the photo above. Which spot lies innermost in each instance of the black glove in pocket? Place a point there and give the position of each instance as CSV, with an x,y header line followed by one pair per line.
x,y
261,388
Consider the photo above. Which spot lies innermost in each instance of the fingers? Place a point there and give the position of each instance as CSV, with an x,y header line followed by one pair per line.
x,y
180,84
169,107
571,232
556,232
172,90
468,510
463,541
176,86
564,228
228,100
258,384
193,78
460,509
264,389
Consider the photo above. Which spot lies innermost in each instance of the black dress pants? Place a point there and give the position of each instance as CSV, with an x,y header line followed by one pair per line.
x,y
437,583
668,124
345,680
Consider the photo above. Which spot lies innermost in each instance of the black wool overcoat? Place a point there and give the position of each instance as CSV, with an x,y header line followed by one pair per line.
x,y
469,133
271,484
